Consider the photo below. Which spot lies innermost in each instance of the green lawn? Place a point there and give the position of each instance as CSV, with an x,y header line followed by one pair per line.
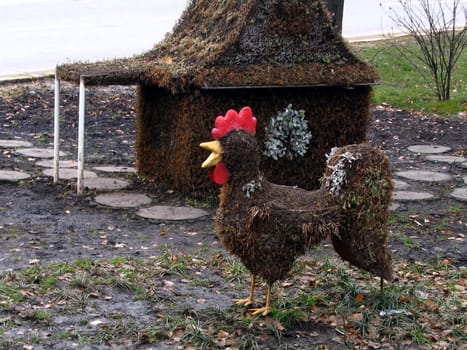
x,y
402,86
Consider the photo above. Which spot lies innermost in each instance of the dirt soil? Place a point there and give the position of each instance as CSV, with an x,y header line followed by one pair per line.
x,y
43,223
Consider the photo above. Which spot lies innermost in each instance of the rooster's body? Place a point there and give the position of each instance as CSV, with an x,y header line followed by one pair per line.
x,y
268,225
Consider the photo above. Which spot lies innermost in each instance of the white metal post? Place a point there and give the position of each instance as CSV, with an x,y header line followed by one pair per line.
x,y
56,128
82,99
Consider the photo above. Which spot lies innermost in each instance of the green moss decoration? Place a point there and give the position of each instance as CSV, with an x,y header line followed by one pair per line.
x,y
287,135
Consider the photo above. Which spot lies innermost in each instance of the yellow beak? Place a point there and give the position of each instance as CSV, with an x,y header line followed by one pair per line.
x,y
216,153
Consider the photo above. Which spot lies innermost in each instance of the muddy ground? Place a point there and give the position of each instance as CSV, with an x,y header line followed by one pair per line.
x,y
43,223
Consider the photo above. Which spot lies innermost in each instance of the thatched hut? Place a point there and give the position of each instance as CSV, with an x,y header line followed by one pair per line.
x,y
228,54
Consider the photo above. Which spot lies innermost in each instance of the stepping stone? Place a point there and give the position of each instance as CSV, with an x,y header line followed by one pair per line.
x,y
69,173
39,152
460,193
164,212
104,183
14,143
13,176
123,199
464,165
49,163
115,169
424,175
446,159
411,196
400,185
394,206
433,149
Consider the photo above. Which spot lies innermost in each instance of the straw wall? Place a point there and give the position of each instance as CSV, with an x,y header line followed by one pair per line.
x,y
171,126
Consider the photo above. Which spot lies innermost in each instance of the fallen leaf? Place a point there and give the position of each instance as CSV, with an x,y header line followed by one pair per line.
x,y
168,284
338,340
445,262
223,339
222,334
146,338
404,298
96,322
332,319
277,324
357,316
167,59
430,305
359,298
373,345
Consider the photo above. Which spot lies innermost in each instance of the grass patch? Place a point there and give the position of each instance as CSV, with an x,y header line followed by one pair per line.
x,y
403,87
326,303
171,262
232,268
410,242
456,209
10,293
38,316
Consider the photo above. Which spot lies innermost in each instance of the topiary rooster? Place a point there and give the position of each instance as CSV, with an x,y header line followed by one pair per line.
x,y
268,225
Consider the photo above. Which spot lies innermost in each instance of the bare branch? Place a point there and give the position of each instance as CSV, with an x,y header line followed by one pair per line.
x,y
432,24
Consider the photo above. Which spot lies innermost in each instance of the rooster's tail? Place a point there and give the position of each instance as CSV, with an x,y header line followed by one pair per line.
x,y
360,176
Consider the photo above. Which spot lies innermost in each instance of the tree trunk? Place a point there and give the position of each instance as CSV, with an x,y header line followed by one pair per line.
x,y
336,8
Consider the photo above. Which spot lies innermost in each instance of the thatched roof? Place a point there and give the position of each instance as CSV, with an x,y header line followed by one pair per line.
x,y
239,43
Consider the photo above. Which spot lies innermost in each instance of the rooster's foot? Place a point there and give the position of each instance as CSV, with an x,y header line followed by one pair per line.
x,y
249,300
266,308
260,311
244,302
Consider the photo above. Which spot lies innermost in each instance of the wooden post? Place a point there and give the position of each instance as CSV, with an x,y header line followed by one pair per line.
x,y
336,8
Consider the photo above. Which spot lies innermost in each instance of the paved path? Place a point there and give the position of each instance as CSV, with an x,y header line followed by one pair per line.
x,y
110,188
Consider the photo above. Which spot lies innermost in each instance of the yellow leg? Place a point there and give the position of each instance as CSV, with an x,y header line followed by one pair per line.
x,y
250,299
266,308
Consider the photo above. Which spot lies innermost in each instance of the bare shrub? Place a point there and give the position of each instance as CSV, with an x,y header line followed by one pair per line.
x,y
434,24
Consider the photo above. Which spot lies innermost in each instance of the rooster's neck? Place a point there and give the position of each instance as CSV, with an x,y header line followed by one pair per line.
x,y
241,190
241,158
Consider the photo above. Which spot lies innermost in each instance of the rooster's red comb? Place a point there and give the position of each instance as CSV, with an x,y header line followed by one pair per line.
x,y
243,120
